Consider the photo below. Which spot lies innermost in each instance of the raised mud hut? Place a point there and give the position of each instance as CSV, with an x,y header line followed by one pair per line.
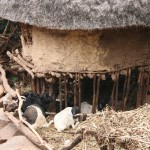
x,y
79,39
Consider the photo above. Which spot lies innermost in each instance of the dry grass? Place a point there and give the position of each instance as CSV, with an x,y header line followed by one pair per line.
x,y
117,130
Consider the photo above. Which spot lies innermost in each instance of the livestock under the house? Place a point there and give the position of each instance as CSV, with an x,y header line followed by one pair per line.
x,y
65,118
34,108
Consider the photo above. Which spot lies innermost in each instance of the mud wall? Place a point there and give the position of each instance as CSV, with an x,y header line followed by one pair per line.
x,y
55,50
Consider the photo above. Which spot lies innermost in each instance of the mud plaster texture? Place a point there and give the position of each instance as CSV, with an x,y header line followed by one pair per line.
x,y
79,50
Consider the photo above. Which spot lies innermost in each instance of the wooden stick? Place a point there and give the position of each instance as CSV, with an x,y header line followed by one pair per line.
x,y
75,91
97,90
26,123
38,90
124,91
65,80
42,80
25,62
28,133
94,94
20,63
128,88
33,85
112,94
73,143
79,87
116,94
60,96
5,82
139,91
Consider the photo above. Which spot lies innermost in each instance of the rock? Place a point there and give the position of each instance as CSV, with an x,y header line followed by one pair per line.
x,y
18,143
3,119
8,131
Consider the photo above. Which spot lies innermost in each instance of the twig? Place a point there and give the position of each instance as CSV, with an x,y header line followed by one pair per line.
x,y
5,82
26,123
73,143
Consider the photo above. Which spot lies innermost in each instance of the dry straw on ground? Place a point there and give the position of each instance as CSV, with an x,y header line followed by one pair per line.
x,y
114,130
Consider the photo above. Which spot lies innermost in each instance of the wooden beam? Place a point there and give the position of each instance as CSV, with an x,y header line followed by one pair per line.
x,y
94,94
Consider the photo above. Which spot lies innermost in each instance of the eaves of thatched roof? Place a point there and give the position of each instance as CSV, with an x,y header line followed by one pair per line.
x,y
77,14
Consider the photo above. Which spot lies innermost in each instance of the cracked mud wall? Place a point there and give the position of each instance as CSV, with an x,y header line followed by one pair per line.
x,y
78,50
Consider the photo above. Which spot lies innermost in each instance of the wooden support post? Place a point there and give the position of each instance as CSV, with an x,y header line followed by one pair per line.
x,y
52,94
97,91
75,91
139,91
124,91
112,94
42,81
33,85
128,88
116,92
79,87
94,94
65,80
60,96
37,85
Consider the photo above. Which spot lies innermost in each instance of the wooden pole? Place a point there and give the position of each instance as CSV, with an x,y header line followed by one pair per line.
x,y
94,94
38,86
65,80
128,88
112,94
139,91
42,80
116,92
124,91
60,96
75,91
33,85
79,87
97,92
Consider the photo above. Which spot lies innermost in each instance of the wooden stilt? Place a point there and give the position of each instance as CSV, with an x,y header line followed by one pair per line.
x,y
75,91
38,86
97,91
60,95
79,86
42,80
65,80
116,92
94,94
139,91
112,94
33,85
124,91
128,88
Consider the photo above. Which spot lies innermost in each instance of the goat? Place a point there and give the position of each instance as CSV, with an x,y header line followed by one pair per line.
x,y
86,108
34,108
8,103
64,119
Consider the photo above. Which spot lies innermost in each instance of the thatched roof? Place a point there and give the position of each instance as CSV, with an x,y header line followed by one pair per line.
x,y
77,14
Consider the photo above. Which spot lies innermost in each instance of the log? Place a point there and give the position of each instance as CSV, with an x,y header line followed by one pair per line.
x,y
72,143
24,62
20,63
28,133
5,83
